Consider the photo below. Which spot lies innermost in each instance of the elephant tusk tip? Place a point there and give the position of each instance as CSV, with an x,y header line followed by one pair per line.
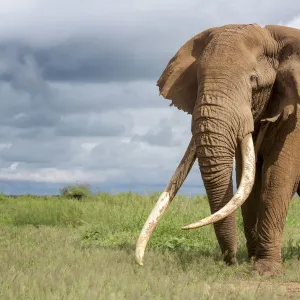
x,y
139,259
193,226
139,262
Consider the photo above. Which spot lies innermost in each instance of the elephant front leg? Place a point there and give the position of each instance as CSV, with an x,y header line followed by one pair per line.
x,y
250,206
277,192
249,213
227,238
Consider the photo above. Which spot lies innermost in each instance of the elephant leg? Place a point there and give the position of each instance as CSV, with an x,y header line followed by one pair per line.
x,y
226,232
298,190
225,229
278,188
227,237
250,206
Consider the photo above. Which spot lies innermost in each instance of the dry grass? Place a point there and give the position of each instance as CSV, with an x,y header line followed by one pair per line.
x,y
57,248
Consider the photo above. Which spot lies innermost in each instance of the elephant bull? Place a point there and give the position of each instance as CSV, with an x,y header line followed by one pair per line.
x,y
241,84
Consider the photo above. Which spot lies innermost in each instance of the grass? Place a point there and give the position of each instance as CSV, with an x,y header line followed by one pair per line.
x,y
60,248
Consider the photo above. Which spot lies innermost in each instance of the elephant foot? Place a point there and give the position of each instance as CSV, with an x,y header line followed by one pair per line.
x,y
251,252
267,268
231,261
230,258
251,259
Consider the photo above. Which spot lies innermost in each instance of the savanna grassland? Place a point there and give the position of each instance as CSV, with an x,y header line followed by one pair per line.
x,y
61,248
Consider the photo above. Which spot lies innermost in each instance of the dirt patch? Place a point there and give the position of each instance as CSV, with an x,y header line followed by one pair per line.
x,y
284,290
293,289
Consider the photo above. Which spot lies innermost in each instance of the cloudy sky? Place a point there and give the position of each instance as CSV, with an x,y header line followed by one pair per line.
x,y
77,87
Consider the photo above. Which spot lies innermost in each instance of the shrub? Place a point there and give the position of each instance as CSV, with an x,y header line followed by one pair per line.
x,y
78,191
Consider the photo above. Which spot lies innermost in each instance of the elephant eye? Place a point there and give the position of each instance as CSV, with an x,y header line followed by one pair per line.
x,y
254,80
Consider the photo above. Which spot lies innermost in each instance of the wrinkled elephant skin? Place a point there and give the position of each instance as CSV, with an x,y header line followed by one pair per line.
x,y
241,85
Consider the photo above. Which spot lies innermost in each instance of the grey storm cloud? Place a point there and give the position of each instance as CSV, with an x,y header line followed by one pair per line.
x,y
77,85
89,59
161,136
85,125
41,154
124,42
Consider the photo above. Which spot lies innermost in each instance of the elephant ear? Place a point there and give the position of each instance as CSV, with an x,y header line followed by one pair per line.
x,y
178,81
286,89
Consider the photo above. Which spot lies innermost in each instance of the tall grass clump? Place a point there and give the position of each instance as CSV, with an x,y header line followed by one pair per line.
x,y
77,191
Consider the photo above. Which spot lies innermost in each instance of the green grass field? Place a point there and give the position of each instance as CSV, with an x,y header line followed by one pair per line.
x,y
59,248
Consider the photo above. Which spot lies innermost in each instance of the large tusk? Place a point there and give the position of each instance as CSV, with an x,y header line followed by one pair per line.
x,y
165,199
246,184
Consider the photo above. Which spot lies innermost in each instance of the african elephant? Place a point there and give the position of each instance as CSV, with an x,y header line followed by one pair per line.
x,y
241,84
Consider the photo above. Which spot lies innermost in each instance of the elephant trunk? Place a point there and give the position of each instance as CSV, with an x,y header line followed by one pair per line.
x,y
218,127
165,199
244,190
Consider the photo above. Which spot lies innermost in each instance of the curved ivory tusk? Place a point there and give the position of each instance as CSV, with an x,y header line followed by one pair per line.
x,y
246,184
158,210
165,199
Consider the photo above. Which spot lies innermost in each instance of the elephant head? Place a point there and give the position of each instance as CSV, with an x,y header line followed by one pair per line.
x,y
225,77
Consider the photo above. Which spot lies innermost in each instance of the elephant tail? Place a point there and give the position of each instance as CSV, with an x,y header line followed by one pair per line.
x,y
165,199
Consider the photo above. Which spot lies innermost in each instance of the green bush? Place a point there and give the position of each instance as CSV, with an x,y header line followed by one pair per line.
x,y
78,191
